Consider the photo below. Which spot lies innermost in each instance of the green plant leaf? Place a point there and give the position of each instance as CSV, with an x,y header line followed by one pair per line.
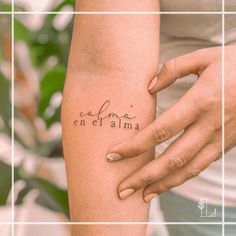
x,y
51,196
48,41
5,104
5,182
22,194
64,3
5,7
45,149
21,32
52,82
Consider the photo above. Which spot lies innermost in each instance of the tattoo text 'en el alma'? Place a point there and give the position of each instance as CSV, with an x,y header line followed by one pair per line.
x,y
104,115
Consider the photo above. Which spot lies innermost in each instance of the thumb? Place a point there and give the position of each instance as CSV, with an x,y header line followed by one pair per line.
x,y
192,63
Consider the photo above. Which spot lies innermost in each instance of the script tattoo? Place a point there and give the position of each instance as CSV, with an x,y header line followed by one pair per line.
x,y
98,118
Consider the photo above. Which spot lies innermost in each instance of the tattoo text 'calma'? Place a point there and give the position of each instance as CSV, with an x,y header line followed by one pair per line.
x,y
104,116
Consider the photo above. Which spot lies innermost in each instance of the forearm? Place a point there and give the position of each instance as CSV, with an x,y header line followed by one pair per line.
x,y
117,5
111,62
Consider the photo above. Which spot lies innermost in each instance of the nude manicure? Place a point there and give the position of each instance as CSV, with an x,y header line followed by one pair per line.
x,y
113,157
126,193
149,197
152,83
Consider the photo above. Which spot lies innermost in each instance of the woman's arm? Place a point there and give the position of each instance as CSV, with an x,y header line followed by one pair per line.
x,y
106,101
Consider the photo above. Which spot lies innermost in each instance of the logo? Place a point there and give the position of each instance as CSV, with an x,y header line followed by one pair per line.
x,y
202,205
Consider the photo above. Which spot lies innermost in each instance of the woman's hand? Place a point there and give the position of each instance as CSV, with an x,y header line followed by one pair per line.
x,y
198,114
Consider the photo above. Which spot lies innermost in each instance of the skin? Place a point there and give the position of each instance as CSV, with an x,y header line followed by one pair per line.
x,y
104,64
117,5
197,114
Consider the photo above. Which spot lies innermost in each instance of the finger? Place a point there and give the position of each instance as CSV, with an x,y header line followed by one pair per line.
x,y
175,156
200,162
192,63
168,124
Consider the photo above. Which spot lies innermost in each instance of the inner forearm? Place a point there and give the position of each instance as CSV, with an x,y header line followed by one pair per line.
x,y
97,114
92,180
106,101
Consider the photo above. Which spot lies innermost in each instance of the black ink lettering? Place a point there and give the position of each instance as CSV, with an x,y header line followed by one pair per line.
x,y
104,108
127,125
117,120
82,122
101,121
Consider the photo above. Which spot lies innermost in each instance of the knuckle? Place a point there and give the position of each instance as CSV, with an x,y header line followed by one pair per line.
x,y
218,153
162,187
194,172
210,103
192,149
175,162
144,178
160,134
206,106
169,68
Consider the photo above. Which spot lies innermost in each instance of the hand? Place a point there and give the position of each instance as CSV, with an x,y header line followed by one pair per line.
x,y
198,114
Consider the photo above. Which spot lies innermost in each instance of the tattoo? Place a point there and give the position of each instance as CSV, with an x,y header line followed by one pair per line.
x,y
99,118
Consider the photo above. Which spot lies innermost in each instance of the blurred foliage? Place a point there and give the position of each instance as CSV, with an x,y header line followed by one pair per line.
x,y
43,44
53,8
5,104
5,182
48,87
4,7
50,195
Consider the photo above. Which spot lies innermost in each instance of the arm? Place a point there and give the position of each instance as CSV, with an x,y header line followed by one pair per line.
x,y
105,101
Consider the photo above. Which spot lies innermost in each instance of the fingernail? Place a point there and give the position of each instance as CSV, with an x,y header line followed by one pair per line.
x,y
113,157
149,197
152,83
126,193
